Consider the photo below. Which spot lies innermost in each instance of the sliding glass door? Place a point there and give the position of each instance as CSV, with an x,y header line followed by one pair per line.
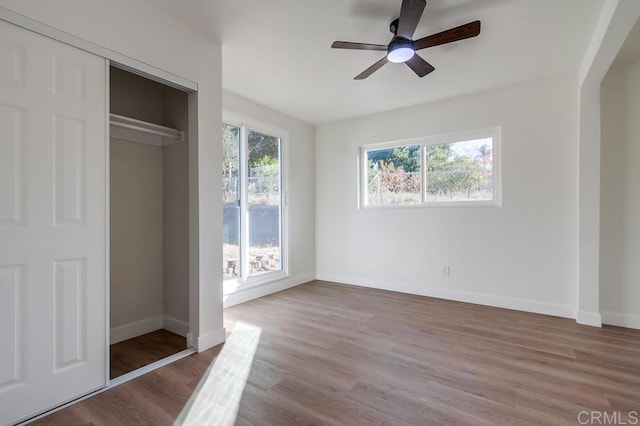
x,y
232,264
253,205
264,199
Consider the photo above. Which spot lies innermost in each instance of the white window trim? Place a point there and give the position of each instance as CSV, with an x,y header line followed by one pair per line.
x,y
245,283
492,132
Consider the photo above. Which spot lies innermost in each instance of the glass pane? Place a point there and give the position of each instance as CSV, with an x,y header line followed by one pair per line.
x,y
460,171
264,198
231,263
393,176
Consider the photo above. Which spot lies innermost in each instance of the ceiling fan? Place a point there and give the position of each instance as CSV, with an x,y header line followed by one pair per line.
x,y
402,47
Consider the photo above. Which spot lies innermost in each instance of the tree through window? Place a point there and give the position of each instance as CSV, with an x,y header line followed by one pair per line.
x,y
252,203
461,170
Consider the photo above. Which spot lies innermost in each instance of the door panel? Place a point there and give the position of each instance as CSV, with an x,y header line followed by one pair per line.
x,y
52,223
69,312
69,176
11,134
11,286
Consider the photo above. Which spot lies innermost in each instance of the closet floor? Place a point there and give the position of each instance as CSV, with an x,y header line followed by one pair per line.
x,y
143,350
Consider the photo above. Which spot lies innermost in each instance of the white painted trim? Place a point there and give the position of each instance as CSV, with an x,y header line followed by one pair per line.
x,y
233,285
211,339
614,25
175,325
592,319
621,320
150,367
240,120
246,294
552,309
135,329
107,227
118,60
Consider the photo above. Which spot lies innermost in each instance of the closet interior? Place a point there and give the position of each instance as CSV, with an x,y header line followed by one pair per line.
x,y
149,221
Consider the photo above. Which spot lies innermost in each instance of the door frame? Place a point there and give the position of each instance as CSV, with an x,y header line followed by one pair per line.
x,y
190,341
113,58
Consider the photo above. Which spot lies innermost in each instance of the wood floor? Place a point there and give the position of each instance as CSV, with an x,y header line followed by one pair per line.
x,y
143,350
332,354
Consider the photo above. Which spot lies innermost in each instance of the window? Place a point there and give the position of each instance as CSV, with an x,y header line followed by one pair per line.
x,y
253,208
393,176
458,169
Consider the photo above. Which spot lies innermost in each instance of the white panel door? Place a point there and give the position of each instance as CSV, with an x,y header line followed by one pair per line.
x,y
52,223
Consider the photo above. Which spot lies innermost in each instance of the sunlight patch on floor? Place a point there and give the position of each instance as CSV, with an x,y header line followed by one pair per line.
x,y
216,399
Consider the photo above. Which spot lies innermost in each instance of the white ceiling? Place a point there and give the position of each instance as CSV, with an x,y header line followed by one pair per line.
x,y
277,52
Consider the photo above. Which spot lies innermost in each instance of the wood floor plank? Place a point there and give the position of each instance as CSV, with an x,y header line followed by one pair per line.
x,y
260,408
333,404
132,354
331,354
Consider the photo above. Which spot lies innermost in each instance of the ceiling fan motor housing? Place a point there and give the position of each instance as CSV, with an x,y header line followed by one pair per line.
x,y
393,26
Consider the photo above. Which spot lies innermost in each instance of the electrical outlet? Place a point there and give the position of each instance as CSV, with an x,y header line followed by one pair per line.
x,y
446,271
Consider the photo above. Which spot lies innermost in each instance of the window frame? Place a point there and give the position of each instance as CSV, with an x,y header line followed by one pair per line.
x,y
247,281
495,133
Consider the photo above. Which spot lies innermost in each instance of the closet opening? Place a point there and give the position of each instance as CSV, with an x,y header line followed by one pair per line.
x,y
149,222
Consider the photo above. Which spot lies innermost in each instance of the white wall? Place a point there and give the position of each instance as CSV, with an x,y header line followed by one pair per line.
x,y
136,237
175,212
521,255
137,30
301,194
620,197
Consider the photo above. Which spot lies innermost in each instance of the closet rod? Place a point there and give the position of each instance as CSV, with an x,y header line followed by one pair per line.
x,y
143,126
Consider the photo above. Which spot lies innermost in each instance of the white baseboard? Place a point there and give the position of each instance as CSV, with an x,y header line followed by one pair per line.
x,y
209,340
589,318
244,295
135,329
556,310
621,320
181,328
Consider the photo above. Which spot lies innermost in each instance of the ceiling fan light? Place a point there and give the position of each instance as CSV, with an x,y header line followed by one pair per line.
x,y
400,50
400,55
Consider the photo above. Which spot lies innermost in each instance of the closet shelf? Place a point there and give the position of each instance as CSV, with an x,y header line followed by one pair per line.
x,y
172,135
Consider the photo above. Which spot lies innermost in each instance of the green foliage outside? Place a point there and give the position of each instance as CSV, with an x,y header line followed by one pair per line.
x,y
263,162
394,174
263,149
230,140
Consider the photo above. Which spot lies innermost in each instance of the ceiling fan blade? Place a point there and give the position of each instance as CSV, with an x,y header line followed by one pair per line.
x,y
420,66
462,32
358,46
410,15
373,68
